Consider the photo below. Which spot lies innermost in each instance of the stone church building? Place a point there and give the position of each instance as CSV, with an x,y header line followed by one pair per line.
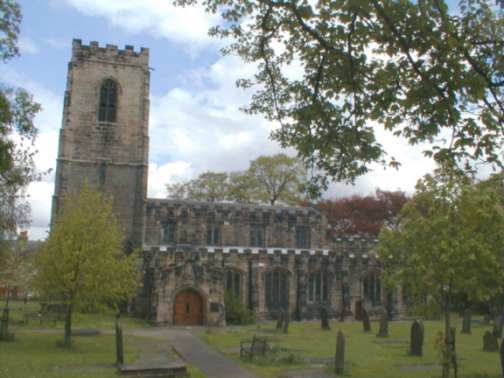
x,y
271,257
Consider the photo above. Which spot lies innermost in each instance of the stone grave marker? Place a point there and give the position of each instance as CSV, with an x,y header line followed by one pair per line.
x,y
416,338
466,321
497,328
286,321
501,354
280,319
490,342
383,331
339,360
324,318
366,323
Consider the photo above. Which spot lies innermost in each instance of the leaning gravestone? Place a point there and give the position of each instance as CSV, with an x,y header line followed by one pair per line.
x,y
416,338
339,360
466,322
366,323
286,321
490,342
324,318
280,319
383,331
497,328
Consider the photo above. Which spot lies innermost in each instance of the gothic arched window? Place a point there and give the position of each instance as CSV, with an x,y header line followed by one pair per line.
x,y
233,282
108,101
317,287
372,289
277,290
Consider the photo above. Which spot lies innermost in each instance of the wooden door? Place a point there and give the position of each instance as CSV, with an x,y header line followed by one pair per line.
x,y
188,308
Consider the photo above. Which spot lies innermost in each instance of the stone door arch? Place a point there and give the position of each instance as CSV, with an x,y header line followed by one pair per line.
x,y
188,309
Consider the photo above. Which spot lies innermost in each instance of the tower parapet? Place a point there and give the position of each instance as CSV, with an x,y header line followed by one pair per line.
x,y
109,53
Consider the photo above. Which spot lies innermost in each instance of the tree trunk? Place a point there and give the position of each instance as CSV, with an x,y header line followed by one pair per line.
x,y
447,355
67,343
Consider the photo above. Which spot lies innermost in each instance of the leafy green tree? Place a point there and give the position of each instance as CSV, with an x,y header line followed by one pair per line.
x,y
16,270
82,263
277,178
449,241
17,130
419,70
208,186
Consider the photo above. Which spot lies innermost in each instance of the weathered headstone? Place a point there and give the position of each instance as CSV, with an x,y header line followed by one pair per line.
x,y
4,326
383,331
497,327
286,321
490,342
280,319
119,341
366,323
339,360
324,318
466,321
416,338
501,353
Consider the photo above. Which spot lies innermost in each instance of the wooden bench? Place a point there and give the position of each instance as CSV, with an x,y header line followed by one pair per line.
x,y
258,346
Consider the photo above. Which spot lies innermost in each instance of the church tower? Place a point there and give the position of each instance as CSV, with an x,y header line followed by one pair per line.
x,y
104,136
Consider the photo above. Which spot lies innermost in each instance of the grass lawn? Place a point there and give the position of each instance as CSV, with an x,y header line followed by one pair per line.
x,y
365,354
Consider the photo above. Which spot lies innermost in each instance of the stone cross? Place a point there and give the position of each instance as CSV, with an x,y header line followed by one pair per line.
x,y
324,318
416,338
466,322
497,328
490,342
339,360
366,323
383,331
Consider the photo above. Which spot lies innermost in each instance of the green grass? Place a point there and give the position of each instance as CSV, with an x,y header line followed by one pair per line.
x,y
365,355
106,320
36,355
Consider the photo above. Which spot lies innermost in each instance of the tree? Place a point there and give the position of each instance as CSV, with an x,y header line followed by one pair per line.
x,y
449,241
17,130
419,70
82,263
16,268
269,179
362,214
277,178
208,186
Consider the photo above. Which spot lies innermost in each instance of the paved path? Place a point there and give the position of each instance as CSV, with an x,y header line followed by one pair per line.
x,y
197,353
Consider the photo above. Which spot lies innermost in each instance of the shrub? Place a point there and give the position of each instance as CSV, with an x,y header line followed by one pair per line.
x,y
236,312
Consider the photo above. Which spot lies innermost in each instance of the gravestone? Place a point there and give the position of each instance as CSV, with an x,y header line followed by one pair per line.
x,y
383,331
501,353
466,321
497,327
324,318
416,338
339,360
4,326
286,321
490,342
280,319
366,323
119,341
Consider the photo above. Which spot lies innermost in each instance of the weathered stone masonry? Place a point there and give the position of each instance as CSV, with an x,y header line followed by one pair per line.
x,y
272,258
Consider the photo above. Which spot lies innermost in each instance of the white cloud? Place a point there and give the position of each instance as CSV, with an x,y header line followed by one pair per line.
x,y
160,18
27,45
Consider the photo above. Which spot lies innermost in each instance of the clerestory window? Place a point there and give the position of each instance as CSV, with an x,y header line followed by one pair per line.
x,y
107,111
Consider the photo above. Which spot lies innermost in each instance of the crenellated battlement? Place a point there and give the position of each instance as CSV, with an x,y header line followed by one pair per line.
x,y
128,55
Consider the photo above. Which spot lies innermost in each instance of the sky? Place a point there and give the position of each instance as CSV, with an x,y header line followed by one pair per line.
x,y
195,120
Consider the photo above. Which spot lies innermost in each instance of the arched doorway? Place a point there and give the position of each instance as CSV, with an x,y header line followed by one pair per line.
x,y
188,309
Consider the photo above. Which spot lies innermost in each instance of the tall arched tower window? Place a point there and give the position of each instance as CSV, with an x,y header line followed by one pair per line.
x,y
108,101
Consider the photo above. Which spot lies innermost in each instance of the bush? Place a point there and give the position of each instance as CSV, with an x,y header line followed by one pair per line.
x,y
236,312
